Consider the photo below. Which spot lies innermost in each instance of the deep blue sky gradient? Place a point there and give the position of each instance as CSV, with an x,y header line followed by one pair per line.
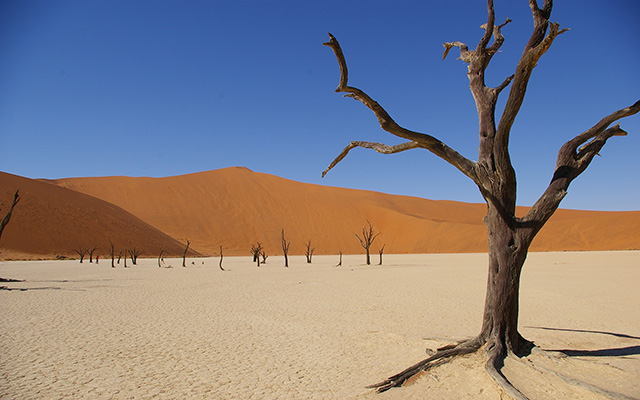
x,y
160,88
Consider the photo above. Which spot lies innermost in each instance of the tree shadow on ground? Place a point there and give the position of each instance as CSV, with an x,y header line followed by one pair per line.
x,y
612,352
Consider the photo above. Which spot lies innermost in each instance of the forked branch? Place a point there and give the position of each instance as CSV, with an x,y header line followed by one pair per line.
x,y
387,123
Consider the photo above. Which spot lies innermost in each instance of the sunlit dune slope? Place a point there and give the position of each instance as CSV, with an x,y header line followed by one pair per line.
x,y
50,220
235,207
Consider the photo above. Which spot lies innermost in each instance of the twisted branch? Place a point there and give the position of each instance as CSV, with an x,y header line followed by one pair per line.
x,y
387,123
379,147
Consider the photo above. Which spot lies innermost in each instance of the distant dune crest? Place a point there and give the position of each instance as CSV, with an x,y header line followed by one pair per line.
x,y
235,207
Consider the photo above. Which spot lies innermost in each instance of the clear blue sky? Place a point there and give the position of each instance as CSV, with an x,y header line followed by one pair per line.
x,y
160,88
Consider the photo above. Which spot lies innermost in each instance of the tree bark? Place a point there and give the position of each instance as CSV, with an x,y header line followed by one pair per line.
x,y
184,255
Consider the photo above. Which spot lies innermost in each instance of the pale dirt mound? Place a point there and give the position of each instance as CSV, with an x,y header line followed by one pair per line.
x,y
52,221
235,207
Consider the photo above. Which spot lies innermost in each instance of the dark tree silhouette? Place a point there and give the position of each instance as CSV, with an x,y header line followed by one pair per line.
x,y
367,239
120,253
7,217
264,256
309,251
509,237
285,249
256,251
91,251
221,257
380,252
82,252
160,258
184,255
112,253
134,253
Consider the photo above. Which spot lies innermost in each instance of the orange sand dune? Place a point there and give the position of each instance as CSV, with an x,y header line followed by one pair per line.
x,y
50,220
235,207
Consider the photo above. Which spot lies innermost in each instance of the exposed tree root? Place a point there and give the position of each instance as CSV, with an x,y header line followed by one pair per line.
x,y
496,355
442,356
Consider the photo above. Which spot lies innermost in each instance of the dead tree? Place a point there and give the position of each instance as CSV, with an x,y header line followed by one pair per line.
x,y
256,251
367,239
91,251
160,259
82,252
184,255
7,217
134,253
221,257
112,253
285,249
340,262
380,253
509,237
264,256
309,251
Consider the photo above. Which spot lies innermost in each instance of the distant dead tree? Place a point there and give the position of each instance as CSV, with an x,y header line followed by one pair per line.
x,y
309,251
340,262
160,259
380,252
221,258
91,251
120,255
125,260
184,255
367,239
264,256
82,252
7,217
509,235
134,253
112,253
285,249
256,250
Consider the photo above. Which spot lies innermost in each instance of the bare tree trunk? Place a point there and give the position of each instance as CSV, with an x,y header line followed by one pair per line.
x,y
7,217
367,239
380,253
120,255
256,250
112,253
221,257
81,252
309,251
91,251
160,259
285,249
184,255
340,262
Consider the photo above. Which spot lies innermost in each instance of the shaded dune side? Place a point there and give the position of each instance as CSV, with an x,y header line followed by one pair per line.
x,y
52,221
235,207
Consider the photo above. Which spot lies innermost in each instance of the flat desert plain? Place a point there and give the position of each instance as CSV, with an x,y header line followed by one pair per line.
x,y
311,331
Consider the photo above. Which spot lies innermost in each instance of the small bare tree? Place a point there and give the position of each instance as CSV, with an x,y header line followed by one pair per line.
x,y
221,258
134,253
184,255
7,217
264,256
82,252
380,252
112,253
160,259
256,251
309,251
91,251
285,249
120,253
367,239
340,262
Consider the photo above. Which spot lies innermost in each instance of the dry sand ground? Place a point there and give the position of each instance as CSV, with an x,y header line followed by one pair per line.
x,y
87,331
